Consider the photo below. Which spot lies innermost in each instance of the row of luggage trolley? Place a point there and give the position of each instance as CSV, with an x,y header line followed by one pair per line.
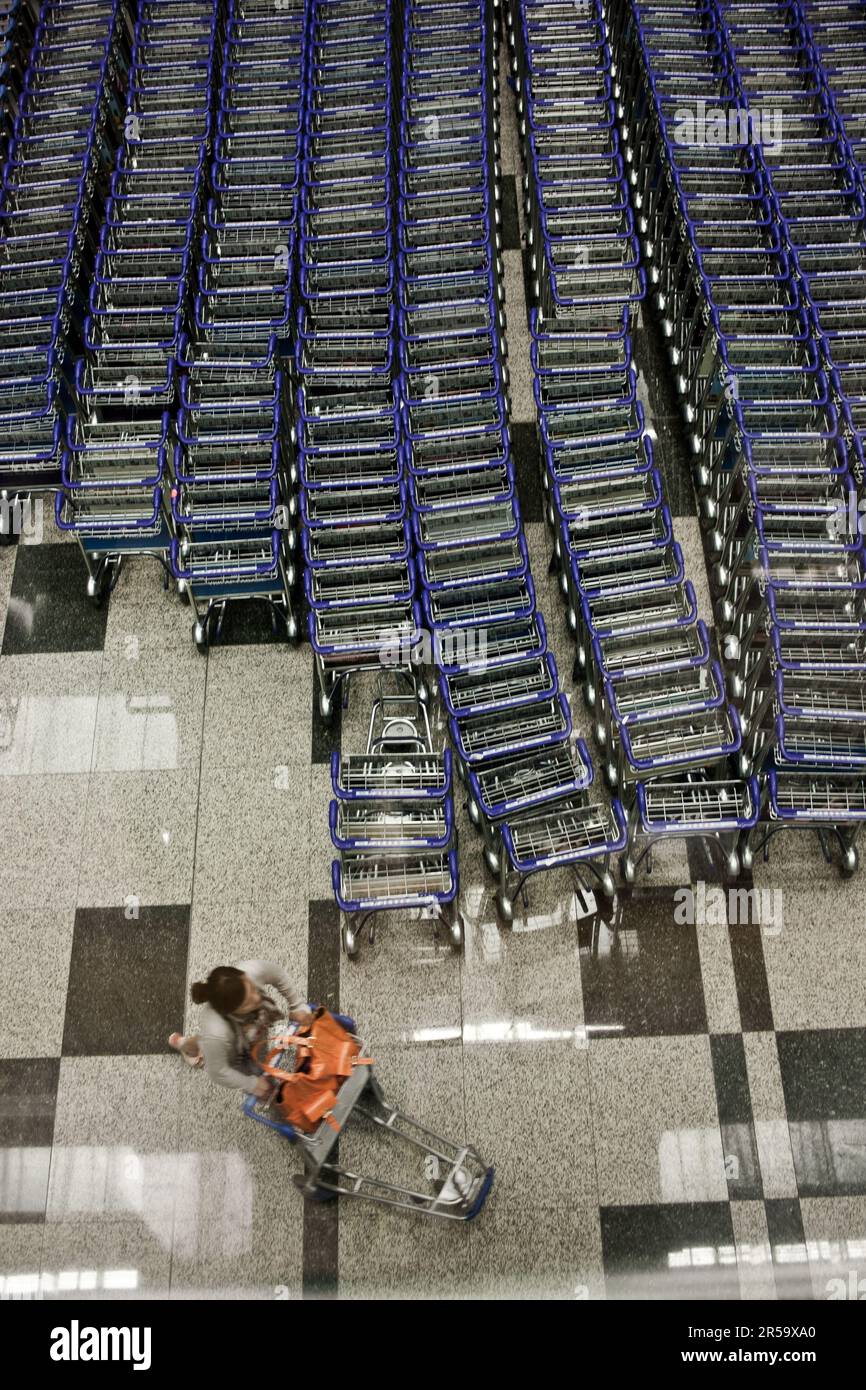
x,y
525,772
116,463
233,500
180,444
391,819
752,209
668,733
61,80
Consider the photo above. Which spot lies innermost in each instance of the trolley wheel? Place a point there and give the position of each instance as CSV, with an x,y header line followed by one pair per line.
x,y
183,594
492,861
423,693
732,864
326,706
474,813
607,885
610,776
349,942
456,932
747,858
314,1194
850,862
99,586
505,907
629,872
588,692
201,635
293,631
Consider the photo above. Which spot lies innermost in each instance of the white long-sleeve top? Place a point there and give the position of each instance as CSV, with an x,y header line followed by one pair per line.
x,y
222,1040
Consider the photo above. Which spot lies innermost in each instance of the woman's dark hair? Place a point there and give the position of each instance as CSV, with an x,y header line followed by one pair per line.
x,y
224,989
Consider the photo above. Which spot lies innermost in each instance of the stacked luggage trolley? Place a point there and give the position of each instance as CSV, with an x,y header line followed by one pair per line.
x,y
668,733
392,820
359,575
233,503
116,463
527,775
59,121
752,213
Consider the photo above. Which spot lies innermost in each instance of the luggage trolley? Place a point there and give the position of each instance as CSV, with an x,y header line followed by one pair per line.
x,y
392,821
58,109
458,1192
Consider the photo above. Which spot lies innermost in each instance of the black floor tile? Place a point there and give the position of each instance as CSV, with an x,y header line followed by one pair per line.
x,y
327,733
127,981
247,623
524,451
682,1251
750,976
641,974
788,1249
49,610
824,1080
510,221
528,282
321,1234
736,1120
323,953
28,1096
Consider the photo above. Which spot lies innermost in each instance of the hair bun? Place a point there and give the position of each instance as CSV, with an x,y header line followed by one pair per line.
x,y
200,992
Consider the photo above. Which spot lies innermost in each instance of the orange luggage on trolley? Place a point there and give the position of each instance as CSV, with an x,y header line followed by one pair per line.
x,y
325,1056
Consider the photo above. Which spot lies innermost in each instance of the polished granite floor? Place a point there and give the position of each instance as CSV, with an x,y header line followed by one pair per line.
x,y
674,1111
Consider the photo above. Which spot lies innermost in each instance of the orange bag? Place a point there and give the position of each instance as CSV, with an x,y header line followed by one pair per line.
x,y
325,1056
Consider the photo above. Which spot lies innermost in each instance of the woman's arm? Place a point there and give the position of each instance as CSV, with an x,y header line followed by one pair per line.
x,y
267,972
217,1053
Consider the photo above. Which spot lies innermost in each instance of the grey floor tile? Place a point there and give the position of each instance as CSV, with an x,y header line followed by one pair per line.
x,y
105,1261
656,1122
540,1138
814,984
42,822
258,708
48,713
754,1256
126,980
143,615
252,842
687,530
559,1244
835,1232
525,983
150,710
770,1120
139,839
406,964
28,1096
238,1224
33,1002
115,1157
20,1261
380,1256
225,933
717,976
